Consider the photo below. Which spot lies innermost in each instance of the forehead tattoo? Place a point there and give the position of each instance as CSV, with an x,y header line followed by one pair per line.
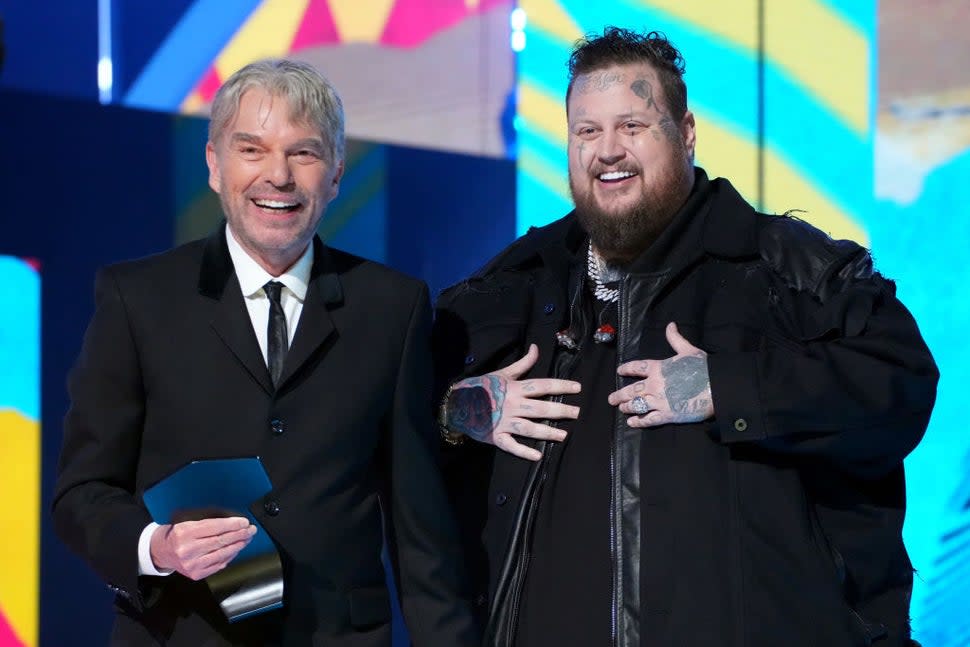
x,y
643,89
598,81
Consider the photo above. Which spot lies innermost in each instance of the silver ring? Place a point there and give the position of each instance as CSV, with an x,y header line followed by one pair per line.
x,y
639,406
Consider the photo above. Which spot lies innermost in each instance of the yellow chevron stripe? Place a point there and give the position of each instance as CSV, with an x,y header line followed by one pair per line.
x,y
836,72
360,22
193,104
550,17
735,21
720,150
20,524
268,32
539,169
825,54
544,113
786,189
725,153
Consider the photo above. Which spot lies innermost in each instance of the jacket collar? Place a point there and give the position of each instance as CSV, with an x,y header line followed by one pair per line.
x,y
731,227
715,220
216,269
217,281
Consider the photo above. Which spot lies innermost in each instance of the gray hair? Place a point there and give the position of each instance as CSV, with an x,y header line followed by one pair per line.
x,y
311,98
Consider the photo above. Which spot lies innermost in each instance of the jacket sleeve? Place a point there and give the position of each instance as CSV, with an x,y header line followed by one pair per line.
x,y
842,374
94,509
434,589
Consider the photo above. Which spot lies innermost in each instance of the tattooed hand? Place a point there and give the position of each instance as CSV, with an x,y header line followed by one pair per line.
x,y
498,406
676,389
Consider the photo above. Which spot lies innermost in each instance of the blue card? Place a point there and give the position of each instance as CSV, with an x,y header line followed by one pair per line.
x,y
226,487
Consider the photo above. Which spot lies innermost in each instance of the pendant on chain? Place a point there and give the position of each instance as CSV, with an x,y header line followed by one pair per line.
x,y
605,334
566,340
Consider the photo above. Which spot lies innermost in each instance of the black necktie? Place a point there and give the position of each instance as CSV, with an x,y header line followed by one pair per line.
x,y
276,340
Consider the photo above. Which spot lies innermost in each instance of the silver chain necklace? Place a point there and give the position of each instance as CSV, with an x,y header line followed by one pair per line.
x,y
595,270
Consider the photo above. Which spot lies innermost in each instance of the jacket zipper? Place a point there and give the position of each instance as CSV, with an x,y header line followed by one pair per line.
x,y
614,445
613,601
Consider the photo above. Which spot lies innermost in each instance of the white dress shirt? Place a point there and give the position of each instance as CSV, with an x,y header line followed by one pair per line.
x,y
252,277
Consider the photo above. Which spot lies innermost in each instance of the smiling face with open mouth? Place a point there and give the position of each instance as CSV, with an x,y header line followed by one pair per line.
x,y
275,178
630,163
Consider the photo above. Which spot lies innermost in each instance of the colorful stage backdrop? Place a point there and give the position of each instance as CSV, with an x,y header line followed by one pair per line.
x,y
19,451
415,72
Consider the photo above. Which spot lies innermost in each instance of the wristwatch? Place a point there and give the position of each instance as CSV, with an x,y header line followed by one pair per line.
x,y
453,438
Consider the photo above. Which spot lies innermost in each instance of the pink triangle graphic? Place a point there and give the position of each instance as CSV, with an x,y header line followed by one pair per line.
x,y
7,637
316,28
412,22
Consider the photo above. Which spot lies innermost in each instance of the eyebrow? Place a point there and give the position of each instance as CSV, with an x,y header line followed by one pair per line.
x,y
621,117
307,142
246,138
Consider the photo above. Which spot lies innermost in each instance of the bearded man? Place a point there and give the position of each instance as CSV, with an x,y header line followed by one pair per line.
x,y
690,417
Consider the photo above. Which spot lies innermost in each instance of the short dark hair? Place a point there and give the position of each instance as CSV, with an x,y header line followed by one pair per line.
x,y
618,46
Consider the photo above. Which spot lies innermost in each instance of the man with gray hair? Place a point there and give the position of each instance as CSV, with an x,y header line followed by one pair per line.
x,y
262,341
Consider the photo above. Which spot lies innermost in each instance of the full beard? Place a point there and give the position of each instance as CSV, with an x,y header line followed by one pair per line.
x,y
620,236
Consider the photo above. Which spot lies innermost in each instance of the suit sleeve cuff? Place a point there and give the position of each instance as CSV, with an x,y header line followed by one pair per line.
x,y
145,564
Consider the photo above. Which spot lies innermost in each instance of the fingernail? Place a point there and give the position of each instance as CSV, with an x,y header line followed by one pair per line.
x,y
562,435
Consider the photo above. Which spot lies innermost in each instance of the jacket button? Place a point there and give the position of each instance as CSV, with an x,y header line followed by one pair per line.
x,y
469,359
276,426
481,600
549,308
271,507
740,424
501,498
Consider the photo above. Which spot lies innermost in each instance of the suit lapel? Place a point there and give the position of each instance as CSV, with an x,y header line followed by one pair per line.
x,y
230,318
315,327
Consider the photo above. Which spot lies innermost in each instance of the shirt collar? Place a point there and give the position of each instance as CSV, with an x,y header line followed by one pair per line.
x,y
252,277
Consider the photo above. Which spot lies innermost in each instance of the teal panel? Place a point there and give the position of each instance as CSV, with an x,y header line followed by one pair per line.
x,y
536,205
19,337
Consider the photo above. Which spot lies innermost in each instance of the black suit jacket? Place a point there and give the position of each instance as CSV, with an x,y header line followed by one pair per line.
x,y
171,371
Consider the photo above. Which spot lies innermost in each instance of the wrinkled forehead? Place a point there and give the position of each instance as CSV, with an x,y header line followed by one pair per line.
x,y
254,110
257,104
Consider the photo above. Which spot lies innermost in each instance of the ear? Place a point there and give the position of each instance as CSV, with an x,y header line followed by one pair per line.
x,y
688,132
212,161
335,184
